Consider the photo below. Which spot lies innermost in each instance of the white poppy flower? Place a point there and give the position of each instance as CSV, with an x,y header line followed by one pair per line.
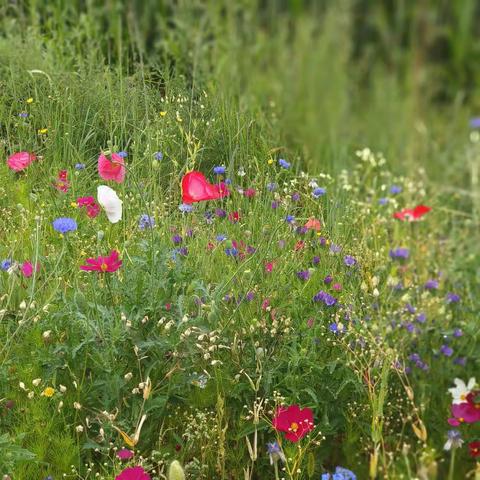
x,y
109,201
461,390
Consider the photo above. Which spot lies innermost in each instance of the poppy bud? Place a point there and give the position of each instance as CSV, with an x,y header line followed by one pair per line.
x,y
175,471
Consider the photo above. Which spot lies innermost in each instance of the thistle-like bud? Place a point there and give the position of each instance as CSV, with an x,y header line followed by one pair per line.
x,y
175,471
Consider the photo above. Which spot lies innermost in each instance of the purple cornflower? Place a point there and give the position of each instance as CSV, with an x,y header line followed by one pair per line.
x,y
446,350
303,275
5,264
395,189
383,201
221,237
457,333
158,156
295,197
316,260
122,154
328,279
421,318
431,284
220,213
452,297
274,204
250,296
475,122
177,239
23,114
289,218
283,163
271,187
145,222
349,261
400,252
325,297
410,308
275,453
335,248
79,166
64,225
231,252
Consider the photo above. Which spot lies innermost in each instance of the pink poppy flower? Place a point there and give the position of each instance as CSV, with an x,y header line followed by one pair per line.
x,y
103,264
269,267
27,269
125,454
21,160
463,413
412,214
113,169
196,188
133,473
294,421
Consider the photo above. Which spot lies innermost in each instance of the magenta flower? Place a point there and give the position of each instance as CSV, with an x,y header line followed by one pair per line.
x,y
464,413
27,269
103,264
125,454
133,473
20,161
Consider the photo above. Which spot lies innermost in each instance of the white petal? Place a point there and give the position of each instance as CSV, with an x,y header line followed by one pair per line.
x,y
109,201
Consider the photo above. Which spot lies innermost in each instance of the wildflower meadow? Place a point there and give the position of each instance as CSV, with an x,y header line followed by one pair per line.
x,y
239,240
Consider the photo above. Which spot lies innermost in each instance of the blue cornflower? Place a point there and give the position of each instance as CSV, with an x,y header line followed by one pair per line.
x,y
185,208
5,264
122,154
421,318
383,201
145,222
79,166
283,163
340,474
458,333
454,440
475,122
271,187
289,218
400,253
64,225
395,189
335,248
349,261
231,252
318,192
158,155
221,237
23,114
220,170
275,453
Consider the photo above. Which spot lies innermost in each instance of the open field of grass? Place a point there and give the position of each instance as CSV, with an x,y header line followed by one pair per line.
x,y
303,276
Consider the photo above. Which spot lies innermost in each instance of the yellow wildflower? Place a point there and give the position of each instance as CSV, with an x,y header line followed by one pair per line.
x,y
48,392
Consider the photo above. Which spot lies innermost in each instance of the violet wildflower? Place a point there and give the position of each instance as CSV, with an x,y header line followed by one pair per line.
x,y
79,166
303,275
158,156
340,474
274,204
457,333
454,440
271,187
475,122
452,297
275,453
283,163
145,221
295,197
395,189
383,201
349,261
328,279
122,154
316,260
400,252
335,248
325,297
431,284
446,350
219,212
290,219
177,239
221,237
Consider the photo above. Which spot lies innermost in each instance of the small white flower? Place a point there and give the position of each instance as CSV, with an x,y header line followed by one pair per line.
x,y
36,382
110,202
79,428
461,390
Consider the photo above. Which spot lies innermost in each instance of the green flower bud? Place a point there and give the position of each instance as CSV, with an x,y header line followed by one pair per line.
x,y
175,471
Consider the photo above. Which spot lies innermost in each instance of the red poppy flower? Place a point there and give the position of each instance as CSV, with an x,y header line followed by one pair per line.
x,y
103,264
313,224
113,169
234,217
474,449
412,214
196,188
294,421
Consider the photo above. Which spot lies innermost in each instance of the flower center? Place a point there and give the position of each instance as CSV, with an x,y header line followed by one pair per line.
x,y
104,267
463,396
294,427
461,419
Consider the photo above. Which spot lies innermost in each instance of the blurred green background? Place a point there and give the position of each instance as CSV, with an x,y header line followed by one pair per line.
x,y
320,78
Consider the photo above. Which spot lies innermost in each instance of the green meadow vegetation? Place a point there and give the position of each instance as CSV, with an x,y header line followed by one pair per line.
x,y
312,283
